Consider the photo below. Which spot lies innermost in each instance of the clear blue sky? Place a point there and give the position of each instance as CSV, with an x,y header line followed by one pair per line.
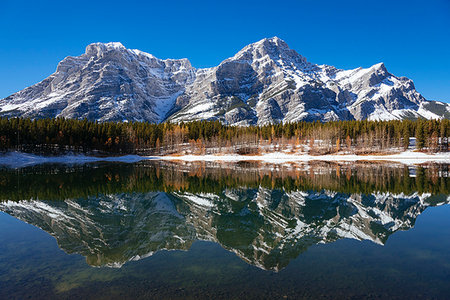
x,y
411,37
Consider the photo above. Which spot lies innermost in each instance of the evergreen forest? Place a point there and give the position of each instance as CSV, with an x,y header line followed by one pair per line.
x,y
56,136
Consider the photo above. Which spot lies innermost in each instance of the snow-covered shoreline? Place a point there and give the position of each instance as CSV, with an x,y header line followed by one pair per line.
x,y
19,159
407,157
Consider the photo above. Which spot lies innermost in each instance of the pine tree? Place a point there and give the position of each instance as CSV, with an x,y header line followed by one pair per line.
x,y
406,138
420,135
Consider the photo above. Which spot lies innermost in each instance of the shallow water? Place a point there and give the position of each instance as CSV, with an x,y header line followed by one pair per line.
x,y
225,230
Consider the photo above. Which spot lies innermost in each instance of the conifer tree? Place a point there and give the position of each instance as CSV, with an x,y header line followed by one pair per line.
x,y
420,135
405,137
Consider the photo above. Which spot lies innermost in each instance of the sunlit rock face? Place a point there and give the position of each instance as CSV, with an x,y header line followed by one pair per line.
x,y
107,83
265,82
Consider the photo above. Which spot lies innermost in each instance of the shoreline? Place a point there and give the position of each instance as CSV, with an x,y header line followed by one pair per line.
x,y
20,159
407,157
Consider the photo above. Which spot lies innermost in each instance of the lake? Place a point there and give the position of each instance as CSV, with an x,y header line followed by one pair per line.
x,y
189,230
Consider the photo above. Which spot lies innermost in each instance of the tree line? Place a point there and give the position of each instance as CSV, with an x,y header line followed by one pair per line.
x,y
209,137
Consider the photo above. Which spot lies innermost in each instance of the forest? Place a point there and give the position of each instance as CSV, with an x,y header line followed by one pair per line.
x,y
56,136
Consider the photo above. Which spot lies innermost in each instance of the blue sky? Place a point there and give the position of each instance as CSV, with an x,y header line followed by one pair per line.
x,y
411,37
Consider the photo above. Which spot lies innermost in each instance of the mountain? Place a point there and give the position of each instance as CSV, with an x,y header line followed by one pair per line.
x,y
107,83
265,82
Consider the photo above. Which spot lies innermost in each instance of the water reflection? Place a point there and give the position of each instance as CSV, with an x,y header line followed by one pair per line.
x,y
266,214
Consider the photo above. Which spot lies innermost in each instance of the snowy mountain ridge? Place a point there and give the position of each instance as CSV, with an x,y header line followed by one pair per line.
x,y
265,82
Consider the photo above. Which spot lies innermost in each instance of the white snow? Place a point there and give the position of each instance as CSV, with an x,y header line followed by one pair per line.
x,y
114,45
380,114
199,108
142,53
407,157
10,106
427,114
18,159
163,105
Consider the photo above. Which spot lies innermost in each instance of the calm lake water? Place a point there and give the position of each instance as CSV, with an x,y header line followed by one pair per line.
x,y
225,230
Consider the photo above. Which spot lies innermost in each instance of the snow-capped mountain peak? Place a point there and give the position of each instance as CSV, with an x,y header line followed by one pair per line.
x,y
264,82
96,49
274,49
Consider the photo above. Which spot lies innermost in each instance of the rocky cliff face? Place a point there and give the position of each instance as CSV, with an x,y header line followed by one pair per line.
x,y
107,83
265,82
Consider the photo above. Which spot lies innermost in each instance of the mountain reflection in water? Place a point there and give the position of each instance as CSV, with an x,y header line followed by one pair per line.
x,y
266,214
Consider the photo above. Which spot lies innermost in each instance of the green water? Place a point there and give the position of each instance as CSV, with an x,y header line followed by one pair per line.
x,y
210,230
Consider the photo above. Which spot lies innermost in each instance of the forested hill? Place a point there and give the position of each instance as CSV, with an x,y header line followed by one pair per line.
x,y
55,136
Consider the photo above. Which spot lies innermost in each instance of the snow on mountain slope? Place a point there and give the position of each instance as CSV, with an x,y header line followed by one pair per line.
x,y
264,82
106,83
